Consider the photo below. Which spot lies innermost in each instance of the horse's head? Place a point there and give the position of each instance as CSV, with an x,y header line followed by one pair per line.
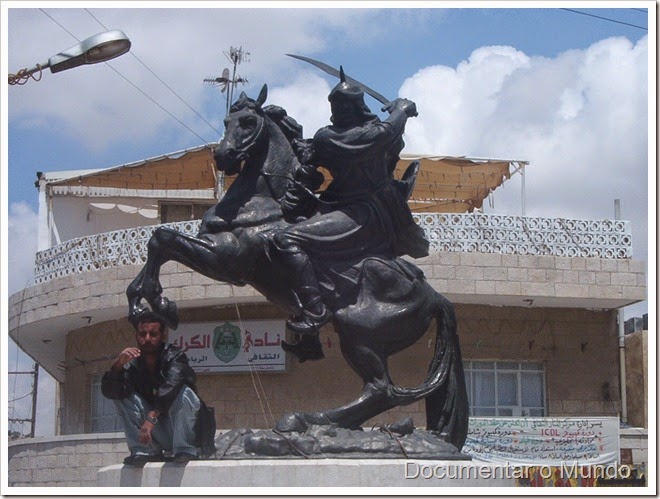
x,y
244,133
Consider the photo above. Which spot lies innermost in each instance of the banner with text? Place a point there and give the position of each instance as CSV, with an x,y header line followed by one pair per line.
x,y
545,441
227,347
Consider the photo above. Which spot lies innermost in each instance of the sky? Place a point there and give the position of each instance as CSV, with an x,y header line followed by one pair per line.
x,y
560,87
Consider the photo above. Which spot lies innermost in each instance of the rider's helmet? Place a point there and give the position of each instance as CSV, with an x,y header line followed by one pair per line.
x,y
346,90
348,96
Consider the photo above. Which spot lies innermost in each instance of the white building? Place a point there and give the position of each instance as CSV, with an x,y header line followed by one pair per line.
x,y
536,299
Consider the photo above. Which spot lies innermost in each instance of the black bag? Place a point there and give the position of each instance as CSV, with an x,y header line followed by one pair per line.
x,y
206,430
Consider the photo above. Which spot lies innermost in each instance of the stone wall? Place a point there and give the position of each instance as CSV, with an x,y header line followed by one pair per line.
x,y
460,276
578,348
71,461
637,391
41,316
481,277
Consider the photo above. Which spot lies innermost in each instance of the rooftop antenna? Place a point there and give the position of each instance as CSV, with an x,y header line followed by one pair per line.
x,y
236,56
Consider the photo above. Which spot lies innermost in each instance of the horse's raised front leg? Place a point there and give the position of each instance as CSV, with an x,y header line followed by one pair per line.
x,y
147,283
134,295
202,255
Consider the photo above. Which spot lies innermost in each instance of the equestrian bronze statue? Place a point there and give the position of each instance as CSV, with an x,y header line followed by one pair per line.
x,y
325,257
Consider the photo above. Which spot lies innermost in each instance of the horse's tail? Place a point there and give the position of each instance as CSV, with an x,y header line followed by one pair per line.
x,y
447,407
444,387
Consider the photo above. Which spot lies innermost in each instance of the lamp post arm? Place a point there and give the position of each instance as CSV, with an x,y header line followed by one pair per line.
x,y
98,48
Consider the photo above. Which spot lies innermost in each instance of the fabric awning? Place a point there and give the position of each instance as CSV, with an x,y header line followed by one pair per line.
x,y
444,184
125,208
190,169
454,185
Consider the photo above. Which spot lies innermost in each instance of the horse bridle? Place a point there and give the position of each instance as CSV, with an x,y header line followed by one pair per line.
x,y
253,140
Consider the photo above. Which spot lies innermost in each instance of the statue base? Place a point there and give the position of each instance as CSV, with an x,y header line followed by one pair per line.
x,y
318,456
400,441
328,473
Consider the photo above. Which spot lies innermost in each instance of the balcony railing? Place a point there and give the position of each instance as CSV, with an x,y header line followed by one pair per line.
x,y
462,232
515,235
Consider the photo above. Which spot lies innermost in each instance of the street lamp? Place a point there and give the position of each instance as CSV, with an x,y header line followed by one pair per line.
x,y
97,48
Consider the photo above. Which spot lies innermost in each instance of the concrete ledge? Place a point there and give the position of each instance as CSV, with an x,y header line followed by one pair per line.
x,y
310,473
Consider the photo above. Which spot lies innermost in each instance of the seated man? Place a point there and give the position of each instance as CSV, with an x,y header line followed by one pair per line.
x,y
154,390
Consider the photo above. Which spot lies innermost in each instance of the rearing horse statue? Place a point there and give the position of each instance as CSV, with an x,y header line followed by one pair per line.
x,y
393,305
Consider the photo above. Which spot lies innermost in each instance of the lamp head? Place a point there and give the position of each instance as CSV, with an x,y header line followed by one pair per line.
x,y
97,48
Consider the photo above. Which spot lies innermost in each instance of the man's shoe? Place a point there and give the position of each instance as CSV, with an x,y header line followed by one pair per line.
x,y
184,457
307,347
142,459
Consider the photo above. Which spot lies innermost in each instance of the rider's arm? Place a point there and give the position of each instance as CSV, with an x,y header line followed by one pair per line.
x,y
398,106
393,127
372,134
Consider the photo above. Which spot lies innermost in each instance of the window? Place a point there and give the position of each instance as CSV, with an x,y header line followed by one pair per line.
x,y
104,415
182,212
505,388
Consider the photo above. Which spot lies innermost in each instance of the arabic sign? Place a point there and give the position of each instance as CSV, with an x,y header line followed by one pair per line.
x,y
232,346
547,441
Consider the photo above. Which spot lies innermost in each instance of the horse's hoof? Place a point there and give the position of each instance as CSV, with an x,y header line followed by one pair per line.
x,y
293,421
167,310
134,314
401,428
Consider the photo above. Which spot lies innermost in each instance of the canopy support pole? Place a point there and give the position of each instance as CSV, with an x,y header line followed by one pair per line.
x,y
523,207
519,167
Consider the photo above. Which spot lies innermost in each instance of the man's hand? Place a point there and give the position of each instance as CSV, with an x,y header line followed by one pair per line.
x,y
145,433
405,105
147,427
125,356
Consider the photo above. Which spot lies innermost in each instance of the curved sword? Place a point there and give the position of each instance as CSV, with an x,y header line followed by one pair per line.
x,y
333,72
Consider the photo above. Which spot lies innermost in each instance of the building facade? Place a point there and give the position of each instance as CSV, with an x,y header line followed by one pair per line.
x,y
536,299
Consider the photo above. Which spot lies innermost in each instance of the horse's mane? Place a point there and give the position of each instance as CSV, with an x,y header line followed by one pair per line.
x,y
290,127
278,115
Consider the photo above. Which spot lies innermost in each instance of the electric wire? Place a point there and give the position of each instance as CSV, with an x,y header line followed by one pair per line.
x,y
133,84
605,19
177,95
157,104
21,78
255,378
20,398
161,80
18,326
59,24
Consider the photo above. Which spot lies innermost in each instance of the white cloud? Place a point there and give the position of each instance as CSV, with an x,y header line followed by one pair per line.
x,y
181,46
580,119
305,99
450,100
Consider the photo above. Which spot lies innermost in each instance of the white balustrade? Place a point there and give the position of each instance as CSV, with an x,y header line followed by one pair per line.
x,y
515,235
446,232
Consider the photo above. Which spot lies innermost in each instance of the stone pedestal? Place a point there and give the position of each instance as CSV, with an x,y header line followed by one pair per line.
x,y
333,473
